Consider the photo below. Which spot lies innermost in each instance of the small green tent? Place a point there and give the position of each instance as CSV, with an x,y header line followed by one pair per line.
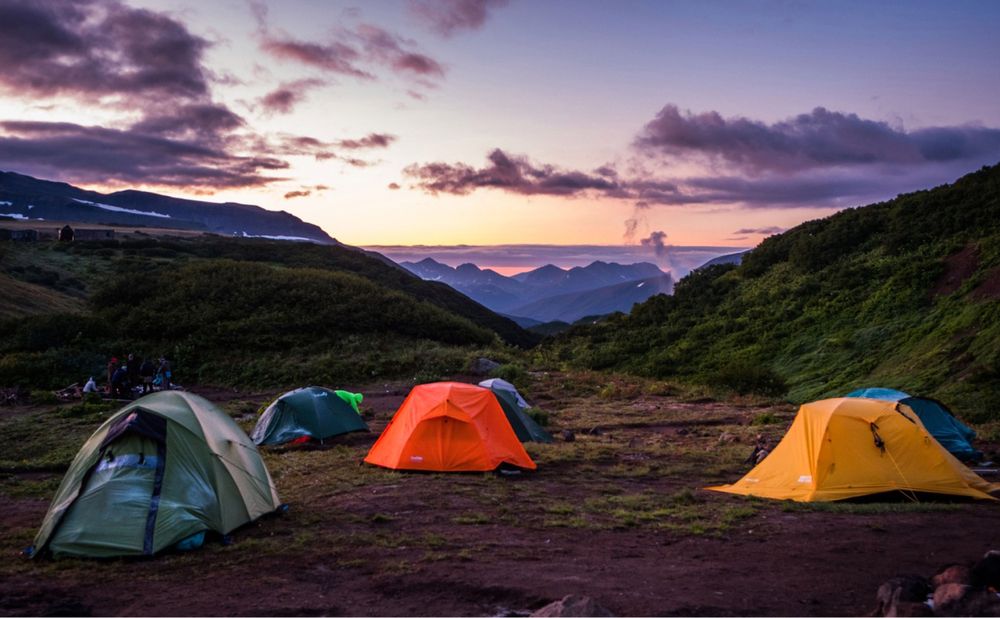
x,y
515,408
311,412
163,469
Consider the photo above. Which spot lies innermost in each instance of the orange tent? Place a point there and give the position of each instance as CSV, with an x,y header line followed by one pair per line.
x,y
449,427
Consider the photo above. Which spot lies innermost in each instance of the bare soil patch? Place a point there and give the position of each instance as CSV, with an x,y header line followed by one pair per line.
x,y
617,515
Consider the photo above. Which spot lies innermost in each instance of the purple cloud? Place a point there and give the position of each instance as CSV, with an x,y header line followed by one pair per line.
x,y
766,231
78,153
98,49
283,99
294,194
372,140
449,17
819,139
509,173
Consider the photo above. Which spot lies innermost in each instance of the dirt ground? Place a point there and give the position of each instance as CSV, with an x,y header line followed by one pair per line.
x,y
617,514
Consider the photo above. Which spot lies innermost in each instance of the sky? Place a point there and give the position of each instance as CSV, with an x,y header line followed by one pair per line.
x,y
637,124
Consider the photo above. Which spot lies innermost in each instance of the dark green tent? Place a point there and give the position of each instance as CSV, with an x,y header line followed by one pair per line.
x,y
311,412
515,408
161,471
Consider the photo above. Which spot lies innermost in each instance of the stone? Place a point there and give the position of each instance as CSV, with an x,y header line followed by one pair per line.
x,y
568,436
952,574
573,605
483,366
900,590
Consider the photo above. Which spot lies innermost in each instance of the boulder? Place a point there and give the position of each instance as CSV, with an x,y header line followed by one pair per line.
x,y
986,572
573,605
895,596
483,367
952,574
963,600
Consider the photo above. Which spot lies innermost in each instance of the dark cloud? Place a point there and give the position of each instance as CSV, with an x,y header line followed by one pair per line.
x,y
97,50
767,231
819,139
394,186
508,173
372,140
205,123
294,194
283,99
657,242
78,153
448,17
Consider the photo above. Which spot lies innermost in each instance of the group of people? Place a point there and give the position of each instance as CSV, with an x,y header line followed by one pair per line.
x,y
127,376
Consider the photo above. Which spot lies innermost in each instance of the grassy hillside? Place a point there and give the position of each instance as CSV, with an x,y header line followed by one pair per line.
x,y
231,311
901,294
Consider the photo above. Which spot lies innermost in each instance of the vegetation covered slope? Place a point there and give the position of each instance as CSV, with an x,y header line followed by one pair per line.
x,y
901,294
231,311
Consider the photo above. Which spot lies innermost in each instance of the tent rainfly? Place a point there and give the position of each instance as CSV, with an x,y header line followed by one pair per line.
x,y
516,409
848,447
160,472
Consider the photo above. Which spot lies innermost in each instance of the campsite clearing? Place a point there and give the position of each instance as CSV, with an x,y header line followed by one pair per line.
x,y
617,514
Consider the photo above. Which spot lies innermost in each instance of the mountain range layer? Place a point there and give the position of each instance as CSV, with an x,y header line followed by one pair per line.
x,y
550,293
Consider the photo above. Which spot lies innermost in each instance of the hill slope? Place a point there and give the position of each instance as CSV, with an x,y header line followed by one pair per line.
x,y
904,294
232,311
572,306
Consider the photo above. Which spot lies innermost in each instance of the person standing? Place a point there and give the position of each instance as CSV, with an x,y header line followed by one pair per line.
x,y
133,371
165,374
112,367
146,371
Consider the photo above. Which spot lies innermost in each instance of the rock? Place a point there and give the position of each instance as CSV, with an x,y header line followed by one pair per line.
x,y
483,366
568,436
573,605
952,574
899,591
963,600
986,572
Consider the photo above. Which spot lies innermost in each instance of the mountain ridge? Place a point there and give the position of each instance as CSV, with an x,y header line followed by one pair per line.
x,y
32,198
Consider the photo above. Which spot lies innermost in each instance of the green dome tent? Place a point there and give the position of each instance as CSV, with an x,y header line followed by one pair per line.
x,y
515,408
163,469
310,412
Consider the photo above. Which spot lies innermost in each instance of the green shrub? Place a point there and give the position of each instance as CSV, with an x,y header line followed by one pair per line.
x,y
514,373
539,416
765,418
746,379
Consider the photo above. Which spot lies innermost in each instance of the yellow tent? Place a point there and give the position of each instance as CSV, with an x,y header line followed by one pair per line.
x,y
843,448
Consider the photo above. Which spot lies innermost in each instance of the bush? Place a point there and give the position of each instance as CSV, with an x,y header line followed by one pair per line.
x,y
765,418
746,379
539,416
512,372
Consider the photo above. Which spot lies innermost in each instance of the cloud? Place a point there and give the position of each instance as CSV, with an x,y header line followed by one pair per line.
x,y
513,174
206,123
394,186
294,194
334,57
449,17
372,140
352,51
632,223
819,139
766,231
283,99
98,50
656,241
77,153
